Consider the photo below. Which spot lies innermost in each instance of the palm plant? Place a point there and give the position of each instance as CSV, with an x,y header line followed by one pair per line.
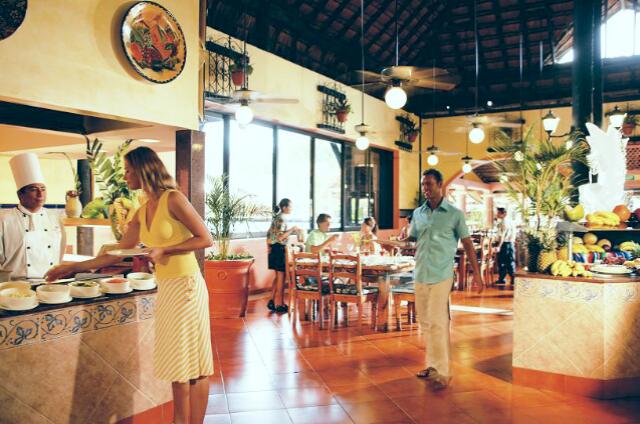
x,y
538,177
109,173
224,212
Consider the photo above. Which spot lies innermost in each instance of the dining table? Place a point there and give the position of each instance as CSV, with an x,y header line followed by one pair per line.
x,y
381,271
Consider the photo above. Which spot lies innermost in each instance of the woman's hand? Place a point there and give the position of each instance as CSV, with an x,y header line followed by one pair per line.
x,y
61,271
157,255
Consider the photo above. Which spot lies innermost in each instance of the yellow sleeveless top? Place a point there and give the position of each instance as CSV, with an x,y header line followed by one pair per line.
x,y
165,231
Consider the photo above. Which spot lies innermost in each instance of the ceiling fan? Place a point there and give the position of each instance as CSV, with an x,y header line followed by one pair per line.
x,y
397,80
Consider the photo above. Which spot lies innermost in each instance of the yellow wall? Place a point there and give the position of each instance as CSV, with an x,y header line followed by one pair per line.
x,y
56,173
67,55
273,75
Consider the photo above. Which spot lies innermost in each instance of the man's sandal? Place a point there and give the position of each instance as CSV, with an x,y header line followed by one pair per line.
x,y
427,373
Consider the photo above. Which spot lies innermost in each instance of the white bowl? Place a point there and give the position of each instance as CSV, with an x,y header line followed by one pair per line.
x,y
142,280
116,285
53,293
18,298
85,289
16,284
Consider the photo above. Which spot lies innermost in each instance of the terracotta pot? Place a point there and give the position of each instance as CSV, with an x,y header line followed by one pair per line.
x,y
228,285
342,115
412,136
628,128
237,77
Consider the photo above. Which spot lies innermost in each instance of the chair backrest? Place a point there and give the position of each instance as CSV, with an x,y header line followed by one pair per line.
x,y
485,248
346,267
306,266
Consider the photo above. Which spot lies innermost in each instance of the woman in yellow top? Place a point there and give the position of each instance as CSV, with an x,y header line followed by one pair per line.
x,y
170,226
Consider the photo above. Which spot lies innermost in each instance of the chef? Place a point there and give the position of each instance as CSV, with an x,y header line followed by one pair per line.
x,y
31,237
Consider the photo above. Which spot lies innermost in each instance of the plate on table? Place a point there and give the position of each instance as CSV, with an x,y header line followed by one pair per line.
x,y
611,269
129,252
24,308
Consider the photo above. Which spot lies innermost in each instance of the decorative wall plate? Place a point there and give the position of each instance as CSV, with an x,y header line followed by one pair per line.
x,y
12,13
153,42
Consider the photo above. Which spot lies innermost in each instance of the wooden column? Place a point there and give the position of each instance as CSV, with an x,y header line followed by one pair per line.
x,y
84,235
190,172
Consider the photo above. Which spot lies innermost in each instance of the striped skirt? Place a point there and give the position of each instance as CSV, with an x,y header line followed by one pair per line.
x,y
182,330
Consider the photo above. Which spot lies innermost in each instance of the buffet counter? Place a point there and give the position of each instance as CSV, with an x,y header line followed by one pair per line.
x,y
85,361
579,335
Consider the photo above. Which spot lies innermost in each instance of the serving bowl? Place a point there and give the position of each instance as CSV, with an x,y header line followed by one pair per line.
x,y
53,293
83,289
116,285
142,280
16,298
16,284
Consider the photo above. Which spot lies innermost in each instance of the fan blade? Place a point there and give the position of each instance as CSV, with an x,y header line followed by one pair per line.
x,y
433,84
371,85
508,123
369,76
274,100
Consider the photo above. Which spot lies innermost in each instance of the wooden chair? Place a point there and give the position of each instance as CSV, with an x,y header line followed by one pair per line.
x,y
345,282
483,260
308,283
404,292
289,284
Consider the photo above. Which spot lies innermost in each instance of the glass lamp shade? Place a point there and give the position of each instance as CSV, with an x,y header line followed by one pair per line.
x,y
476,135
550,122
616,117
362,142
432,160
466,168
395,97
244,115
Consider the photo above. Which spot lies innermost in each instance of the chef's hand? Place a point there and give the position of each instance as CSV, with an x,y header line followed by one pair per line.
x,y
157,255
60,271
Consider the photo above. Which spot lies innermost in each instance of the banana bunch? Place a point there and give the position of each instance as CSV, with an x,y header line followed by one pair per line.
x,y
569,269
628,246
120,212
603,219
580,248
594,248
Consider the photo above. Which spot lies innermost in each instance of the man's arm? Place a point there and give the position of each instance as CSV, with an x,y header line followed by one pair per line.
x,y
472,256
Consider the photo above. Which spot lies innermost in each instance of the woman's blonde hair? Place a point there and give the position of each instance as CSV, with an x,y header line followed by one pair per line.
x,y
152,173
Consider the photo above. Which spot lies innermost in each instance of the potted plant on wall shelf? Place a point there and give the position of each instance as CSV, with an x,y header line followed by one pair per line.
x,y
238,69
409,128
629,125
226,272
341,109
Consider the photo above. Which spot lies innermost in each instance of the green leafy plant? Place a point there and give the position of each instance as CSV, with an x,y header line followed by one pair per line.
x,y
109,173
408,125
631,120
342,105
224,211
239,65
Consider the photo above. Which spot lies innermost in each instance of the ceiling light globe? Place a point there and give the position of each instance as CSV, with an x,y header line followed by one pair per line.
x,y
432,160
244,115
395,97
476,135
362,142
466,168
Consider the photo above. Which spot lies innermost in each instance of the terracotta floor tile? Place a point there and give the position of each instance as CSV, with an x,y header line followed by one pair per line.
x,y
380,411
217,405
342,376
306,396
279,416
254,401
330,414
297,379
357,393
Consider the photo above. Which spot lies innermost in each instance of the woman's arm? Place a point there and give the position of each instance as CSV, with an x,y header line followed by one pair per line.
x,y
181,210
130,240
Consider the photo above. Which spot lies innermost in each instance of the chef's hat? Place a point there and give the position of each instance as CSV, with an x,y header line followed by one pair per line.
x,y
26,170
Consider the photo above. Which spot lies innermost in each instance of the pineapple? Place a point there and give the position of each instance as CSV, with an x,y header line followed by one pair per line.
x,y
546,259
541,246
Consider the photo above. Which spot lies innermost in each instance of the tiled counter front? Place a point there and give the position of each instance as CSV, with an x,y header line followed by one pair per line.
x,y
88,363
577,336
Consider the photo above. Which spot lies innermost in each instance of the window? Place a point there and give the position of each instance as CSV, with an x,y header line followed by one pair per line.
x,y
294,175
328,180
213,149
251,167
358,182
617,36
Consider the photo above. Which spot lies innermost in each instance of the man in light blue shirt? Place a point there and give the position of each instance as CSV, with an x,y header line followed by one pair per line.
x,y
437,226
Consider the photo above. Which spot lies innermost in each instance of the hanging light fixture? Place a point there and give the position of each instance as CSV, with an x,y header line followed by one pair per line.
x,y
244,114
396,97
476,135
550,123
362,142
616,117
433,159
466,160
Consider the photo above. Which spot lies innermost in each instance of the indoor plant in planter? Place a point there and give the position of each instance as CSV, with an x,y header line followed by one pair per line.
x,y
341,109
238,69
409,129
537,175
227,273
629,124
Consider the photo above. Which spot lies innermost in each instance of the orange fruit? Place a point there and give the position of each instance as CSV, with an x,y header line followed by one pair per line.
x,y
623,212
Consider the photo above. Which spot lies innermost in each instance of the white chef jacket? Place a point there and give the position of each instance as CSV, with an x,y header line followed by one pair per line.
x,y
30,242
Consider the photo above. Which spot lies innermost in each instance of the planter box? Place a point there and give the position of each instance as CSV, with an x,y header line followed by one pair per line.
x,y
228,285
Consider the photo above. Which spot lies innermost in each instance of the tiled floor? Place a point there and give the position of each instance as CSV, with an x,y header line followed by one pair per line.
x,y
271,371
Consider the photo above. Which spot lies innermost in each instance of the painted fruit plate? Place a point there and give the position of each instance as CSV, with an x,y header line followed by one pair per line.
x,y
611,269
153,42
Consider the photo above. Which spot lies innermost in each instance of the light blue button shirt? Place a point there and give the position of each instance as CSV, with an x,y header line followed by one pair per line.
x,y
437,233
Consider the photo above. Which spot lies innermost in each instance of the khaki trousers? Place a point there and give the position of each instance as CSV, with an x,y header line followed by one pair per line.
x,y
432,308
